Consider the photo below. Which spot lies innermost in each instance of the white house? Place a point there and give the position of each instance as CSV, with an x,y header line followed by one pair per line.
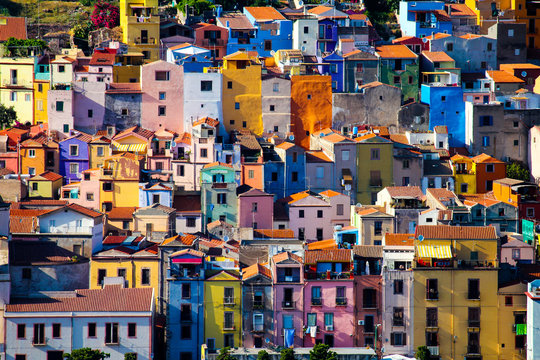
x,y
305,35
113,319
203,98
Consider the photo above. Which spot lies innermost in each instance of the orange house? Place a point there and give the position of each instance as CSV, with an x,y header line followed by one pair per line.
x,y
311,106
488,169
253,174
39,154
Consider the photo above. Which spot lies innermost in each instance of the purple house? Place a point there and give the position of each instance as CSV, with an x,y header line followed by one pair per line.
x,y
74,156
255,208
329,298
288,279
328,35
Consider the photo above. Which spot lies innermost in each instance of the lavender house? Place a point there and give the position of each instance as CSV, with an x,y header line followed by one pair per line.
x,y
74,156
255,208
329,298
288,279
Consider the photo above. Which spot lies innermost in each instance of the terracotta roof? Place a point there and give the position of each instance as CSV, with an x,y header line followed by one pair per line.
x,y
395,52
404,38
441,193
317,10
438,36
486,199
436,56
312,257
329,244
405,191
336,138
206,120
255,270
317,156
117,240
184,138
441,15
147,134
460,10
398,239
441,129
286,256
285,145
154,209
330,193
485,158
364,210
358,16
368,251
80,209
216,163
399,138
124,88
102,59
188,251
25,253
236,21
121,213
470,36
108,299
185,239
510,67
273,234
456,232
14,27
262,13
47,175
296,197
500,76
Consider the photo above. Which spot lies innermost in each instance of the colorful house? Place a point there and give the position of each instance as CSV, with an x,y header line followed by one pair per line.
x,y
45,185
17,86
86,192
119,180
156,222
155,193
213,38
521,194
464,173
361,68
512,309
185,311
134,140
98,149
39,154
422,19
273,30
255,208
398,66
242,92
159,155
41,104
120,221
140,27
335,69
257,305
286,175
488,169
218,194
74,156
329,300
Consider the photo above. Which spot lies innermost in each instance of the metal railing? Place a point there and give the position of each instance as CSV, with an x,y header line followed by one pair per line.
x,y
288,304
341,301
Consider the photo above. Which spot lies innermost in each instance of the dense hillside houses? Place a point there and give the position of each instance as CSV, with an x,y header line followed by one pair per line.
x,y
271,178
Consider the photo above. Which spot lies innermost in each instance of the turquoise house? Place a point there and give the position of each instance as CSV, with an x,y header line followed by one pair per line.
x,y
218,194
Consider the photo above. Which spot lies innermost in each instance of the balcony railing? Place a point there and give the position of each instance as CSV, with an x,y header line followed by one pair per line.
x,y
147,41
341,301
316,301
288,304
432,295
328,275
144,19
283,278
18,84
213,42
228,326
473,349
228,300
433,350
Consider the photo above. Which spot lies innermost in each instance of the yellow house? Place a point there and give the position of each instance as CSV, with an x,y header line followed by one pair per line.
x,y
484,14
99,148
512,305
45,185
17,86
119,181
140,27
134,140
120,221
41,88
464,171
222,308
242,107
139,268
455,291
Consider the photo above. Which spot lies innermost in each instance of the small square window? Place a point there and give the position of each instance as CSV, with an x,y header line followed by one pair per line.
x,y
309,96
237,106
272,107
229,84
162,110
162,95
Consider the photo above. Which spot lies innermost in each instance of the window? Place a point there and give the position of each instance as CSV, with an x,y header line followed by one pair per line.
x,y
204,153
319,234
162,76
516,254
27,97
312,319
483,65
377,228
61,68
74,168
309,96
162,110
508,301
21,331
486,120
275,87
530,212
244,124
405,181
272,107
145,276
60,106
398,287
432,318
294,176
375,154
316,295
489,46
398,339
124,112
34,186
92,330
369,300
251,174
516,142
237,106
132,330
449,47
20,357
107,186
329,321
13,96
510,32
186,291
222,198
474,289
102,273
516,52
206,85
39,334
339,209
485,140
111,333
228,320
267,45
464,187
229,84
397,318
56,330
155,198
359,67
397,80
301,233
432,289
90,196
319,214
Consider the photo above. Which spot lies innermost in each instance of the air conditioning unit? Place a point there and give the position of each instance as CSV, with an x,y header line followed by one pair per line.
x,y
329,327
361,322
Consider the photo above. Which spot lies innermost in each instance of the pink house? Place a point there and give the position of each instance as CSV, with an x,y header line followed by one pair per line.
x,y
516,251
329,299
99,69
159,155
341,207
255,208
288,279
162,100
85,192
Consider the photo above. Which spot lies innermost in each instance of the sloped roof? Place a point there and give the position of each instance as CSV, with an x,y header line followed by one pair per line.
x,y
117,240
320,9
254,270
121,213
330,193
136,130
264,13
446,232
312,257
316,156
216,163
184,239
236,21
124,88
405,191
437,56
329,244
102,59
441,193
47,175
108,299
206,120
398,239
460,10
500,76
395,52
14,27
285,145
368,251
273,234
154,209
485,158
188,252
286,256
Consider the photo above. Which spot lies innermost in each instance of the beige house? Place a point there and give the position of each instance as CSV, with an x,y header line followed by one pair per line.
x,y
120,221
156,222
372,223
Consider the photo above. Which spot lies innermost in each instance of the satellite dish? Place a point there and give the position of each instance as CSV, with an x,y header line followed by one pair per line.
x,y
173,144
226,238
291,137
424,40
523,73
420,237
301,3
267,340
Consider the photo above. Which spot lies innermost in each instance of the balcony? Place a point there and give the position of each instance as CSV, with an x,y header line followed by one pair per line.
x,y
311,275
228,301
17,84
213,42
316,301
144,41
143,19
341,301
433,350
283,278
288,304
228,325
473,350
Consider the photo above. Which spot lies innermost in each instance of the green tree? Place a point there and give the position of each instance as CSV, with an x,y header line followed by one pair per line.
x,y
263,355
200,6
7,116
322,352
81,31
287,354
130,356
86,354
24,47
517,170
422,353
224,354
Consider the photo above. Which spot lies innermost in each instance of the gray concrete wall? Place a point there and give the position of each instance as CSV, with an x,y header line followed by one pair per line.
x,y
114,103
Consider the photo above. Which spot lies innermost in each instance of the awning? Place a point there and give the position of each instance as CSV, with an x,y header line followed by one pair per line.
x,y
347,176
434,251
129,147
187,261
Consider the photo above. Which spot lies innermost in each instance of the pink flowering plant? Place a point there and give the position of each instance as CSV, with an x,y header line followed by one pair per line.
x,y
105,15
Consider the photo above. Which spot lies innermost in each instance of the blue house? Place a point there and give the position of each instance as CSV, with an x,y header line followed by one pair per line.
x,y
42,68
74,157
261,29
185,313
191,57
423,18
328,35
335,67
294,167
218,194
155,193
446,107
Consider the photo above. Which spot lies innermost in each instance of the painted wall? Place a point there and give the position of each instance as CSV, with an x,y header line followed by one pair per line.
x,y
115,102
305,40
60,111
384,165
89,106
66,159
199,103
276,104
18,91
264,214
41,101
45,189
